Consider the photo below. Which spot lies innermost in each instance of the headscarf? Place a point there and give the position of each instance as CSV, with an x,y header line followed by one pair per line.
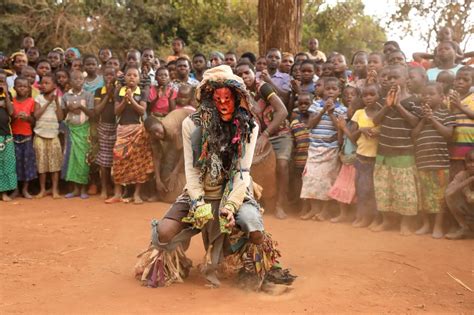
x,y
75,51
218,54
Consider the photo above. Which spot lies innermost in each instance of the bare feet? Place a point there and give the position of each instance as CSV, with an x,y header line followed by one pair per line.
x,y
363,222
373,224
457,235
153,198
405,230
405,225
280,213
14,194
425,229
41,194
92,190
137,200
322,216
340,218
103,194
305,208
437,233
384,226
26,194
5,197
113,199
309,214
56,195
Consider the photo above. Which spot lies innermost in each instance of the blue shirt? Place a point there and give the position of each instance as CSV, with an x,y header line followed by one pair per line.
x,y
280,79
433,72
325,133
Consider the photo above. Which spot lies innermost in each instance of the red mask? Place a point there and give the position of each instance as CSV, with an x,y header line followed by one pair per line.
x,y
225,103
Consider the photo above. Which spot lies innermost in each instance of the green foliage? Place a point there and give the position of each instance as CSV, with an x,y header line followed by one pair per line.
x,y
343,28
455,14
123,24
205,26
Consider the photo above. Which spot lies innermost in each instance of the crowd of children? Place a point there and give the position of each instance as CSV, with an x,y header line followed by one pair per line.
x,y
386,140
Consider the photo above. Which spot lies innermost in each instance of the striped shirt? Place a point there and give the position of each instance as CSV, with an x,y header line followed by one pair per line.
x,y
431,147
395,131
463,137
300,134
325,133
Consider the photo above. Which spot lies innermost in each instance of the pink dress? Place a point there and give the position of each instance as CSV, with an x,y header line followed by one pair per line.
x,y
160,100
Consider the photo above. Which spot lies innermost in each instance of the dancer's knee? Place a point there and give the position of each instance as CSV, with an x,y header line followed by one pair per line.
x,y
167,230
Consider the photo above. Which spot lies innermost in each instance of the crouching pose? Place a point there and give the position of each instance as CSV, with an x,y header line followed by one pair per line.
x,y
218,143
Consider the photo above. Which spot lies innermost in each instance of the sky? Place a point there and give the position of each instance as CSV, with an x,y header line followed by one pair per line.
x,y
382,9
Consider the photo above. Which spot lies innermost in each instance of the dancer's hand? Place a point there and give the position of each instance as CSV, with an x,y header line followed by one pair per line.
x,y
226,213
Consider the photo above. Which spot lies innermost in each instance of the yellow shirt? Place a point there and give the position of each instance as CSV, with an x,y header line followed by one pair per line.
x,y
366,146
463,135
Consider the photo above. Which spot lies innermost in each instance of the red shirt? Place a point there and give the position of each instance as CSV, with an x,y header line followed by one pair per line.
x,y
19,126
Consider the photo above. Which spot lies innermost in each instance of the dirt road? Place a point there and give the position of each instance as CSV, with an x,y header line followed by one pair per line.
x,y
75,256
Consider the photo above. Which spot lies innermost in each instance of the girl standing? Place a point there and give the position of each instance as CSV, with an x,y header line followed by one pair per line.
x,y
431,136
322,164
133,161
23,113
106,128
79,106
395,175
46,143
344,190
366,135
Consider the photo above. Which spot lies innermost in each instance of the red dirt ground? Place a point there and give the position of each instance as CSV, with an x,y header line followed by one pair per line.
x,y
75,256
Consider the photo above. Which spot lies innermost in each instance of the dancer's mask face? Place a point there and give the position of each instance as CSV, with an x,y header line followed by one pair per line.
x,y
225,103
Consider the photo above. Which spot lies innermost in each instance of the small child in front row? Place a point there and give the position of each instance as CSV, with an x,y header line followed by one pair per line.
x,y
107,128
395,174
322,165
344,190
300,132
23,119
79,106
46,143
366,135
431,135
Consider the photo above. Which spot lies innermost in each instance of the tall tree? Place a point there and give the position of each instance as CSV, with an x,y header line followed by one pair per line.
x,y
455,14
279,25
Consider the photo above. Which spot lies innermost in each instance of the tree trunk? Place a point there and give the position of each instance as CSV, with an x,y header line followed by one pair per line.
x,y
279,25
